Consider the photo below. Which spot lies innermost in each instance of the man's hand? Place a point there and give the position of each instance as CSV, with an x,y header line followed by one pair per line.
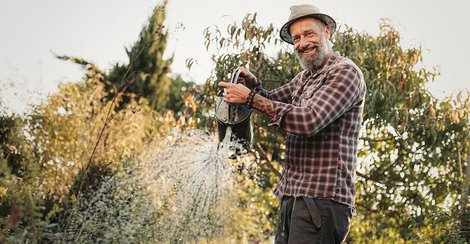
x,y
247,78
235,93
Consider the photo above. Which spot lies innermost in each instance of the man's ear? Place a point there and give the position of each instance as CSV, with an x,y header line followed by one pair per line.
x,y
327,31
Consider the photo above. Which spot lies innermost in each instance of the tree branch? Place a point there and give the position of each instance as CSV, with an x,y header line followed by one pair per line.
x,y
268,157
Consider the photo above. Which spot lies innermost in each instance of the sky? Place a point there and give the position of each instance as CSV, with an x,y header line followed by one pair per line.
x,y
33,31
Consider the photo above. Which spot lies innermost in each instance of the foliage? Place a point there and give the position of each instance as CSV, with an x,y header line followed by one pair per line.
x,y
55,159
179,88
113,196
46,157
253,212
413,146
117,209
147,68
65,130
20,216
169,197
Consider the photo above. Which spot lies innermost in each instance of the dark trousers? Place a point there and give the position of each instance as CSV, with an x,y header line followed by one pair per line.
x,y
307,220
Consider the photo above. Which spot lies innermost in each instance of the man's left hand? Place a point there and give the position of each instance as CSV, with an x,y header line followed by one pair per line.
x,y
234,93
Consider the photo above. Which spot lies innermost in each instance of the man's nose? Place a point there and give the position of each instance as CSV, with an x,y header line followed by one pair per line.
x,y
302,42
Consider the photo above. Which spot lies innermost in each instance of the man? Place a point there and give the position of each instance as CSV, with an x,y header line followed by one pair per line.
x,y
321,109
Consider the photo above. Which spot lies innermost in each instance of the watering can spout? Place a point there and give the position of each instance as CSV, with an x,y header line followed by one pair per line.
x,y
233,121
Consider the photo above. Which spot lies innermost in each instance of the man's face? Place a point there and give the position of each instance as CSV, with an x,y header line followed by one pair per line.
x,y
310,37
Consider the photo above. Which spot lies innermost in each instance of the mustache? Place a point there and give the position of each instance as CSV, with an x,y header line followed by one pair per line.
x,y
309,47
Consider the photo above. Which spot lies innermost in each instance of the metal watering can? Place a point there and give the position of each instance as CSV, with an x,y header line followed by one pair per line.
x,y
233,121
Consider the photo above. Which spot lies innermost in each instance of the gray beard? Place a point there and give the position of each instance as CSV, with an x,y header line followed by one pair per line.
x,y
316,61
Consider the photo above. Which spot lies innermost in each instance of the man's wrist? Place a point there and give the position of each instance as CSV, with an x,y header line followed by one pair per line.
x,y
250,98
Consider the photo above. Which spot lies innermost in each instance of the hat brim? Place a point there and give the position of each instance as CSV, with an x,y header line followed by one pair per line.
x,y
285,33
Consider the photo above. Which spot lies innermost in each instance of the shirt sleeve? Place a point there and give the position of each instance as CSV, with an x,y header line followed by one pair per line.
x,y
343,88
282,94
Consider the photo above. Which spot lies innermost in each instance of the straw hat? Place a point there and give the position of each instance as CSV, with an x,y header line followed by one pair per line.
x,y
303,11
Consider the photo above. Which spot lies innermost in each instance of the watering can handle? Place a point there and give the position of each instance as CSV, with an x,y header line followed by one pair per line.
x,y
235,75
233,80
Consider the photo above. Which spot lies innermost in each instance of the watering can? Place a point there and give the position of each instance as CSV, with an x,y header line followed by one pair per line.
x,y
233,121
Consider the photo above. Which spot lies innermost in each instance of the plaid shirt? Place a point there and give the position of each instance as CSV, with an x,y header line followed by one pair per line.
x,y
322,114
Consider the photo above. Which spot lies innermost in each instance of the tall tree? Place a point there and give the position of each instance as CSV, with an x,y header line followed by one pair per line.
x,y
147,69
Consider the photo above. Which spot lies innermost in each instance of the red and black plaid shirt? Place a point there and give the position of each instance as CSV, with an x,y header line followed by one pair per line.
x,y
322,113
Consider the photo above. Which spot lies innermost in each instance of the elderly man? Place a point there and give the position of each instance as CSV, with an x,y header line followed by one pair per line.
x,y
321,109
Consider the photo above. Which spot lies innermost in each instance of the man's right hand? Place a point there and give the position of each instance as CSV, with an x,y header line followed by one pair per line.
x,y
247,78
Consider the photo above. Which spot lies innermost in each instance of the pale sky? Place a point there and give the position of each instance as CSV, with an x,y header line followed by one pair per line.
x,y
32,30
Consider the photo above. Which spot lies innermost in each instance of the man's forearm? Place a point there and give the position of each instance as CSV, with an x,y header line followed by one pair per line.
x,y
263,105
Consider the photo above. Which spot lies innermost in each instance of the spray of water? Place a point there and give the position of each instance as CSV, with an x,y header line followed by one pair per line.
x,y
179,192
193,176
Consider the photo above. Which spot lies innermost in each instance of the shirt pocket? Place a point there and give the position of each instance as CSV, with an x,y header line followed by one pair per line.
x,y
309,91
305,98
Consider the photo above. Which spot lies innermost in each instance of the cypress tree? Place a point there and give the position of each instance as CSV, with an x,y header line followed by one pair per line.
x,y
148,76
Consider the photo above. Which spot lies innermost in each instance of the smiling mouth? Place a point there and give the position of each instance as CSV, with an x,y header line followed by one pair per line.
x,y
308,50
